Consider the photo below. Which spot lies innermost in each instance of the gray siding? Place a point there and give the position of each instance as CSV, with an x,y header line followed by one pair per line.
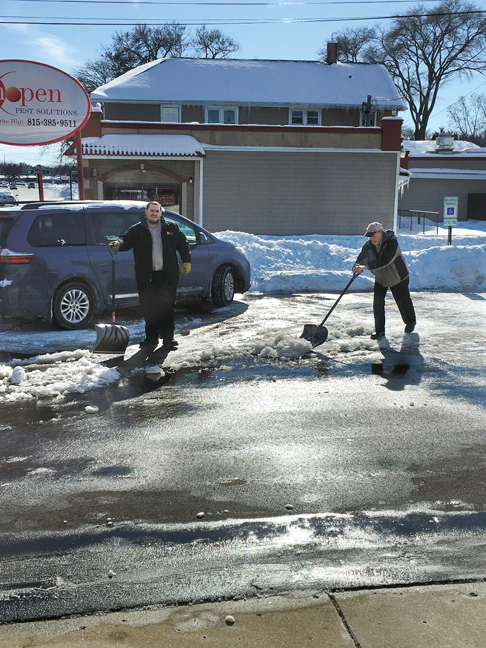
x,y
278,193
262,115
464,162
273,116
339,117
428,194
192,114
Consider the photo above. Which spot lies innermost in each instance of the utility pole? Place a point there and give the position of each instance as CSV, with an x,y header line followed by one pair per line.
x,y
366,108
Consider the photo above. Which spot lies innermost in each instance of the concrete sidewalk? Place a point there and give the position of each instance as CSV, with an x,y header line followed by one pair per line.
x,y
433,616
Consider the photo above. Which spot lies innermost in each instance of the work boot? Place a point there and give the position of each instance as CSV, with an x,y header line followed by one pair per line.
x,y
377,336
148,343
170,344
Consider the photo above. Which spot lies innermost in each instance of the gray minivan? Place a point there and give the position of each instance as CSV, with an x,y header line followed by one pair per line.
x,y
55,262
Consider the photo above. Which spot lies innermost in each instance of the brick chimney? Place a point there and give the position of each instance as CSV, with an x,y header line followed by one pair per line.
x,y
332,48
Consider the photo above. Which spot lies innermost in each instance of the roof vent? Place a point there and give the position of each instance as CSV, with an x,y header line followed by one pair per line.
x,y
332,50
444,143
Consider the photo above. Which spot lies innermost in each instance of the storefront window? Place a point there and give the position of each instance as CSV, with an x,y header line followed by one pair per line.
x,y
167,195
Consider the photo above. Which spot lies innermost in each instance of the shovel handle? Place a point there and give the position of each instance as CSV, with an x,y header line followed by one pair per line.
x,y
356,274
113,254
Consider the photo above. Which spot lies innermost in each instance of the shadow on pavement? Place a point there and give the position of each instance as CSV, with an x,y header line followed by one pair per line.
x,y
401,367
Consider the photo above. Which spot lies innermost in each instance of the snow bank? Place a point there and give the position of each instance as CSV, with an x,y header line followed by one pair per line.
x,y
323,263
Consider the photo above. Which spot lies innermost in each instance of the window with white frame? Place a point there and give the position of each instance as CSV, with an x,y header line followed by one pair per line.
x,y
221,115
170,114
305,117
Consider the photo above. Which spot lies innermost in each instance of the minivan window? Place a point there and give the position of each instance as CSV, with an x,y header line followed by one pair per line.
x,y
188,231
106,226
58,230
5,226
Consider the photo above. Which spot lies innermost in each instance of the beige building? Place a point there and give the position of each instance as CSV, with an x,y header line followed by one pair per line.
x,y
267,147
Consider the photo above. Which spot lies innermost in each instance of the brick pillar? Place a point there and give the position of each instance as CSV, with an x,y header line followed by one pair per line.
x,y
93,127
391,128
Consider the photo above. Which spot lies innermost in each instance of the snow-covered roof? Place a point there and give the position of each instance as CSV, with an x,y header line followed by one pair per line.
x,y
253,82
447,173
143,145
424,147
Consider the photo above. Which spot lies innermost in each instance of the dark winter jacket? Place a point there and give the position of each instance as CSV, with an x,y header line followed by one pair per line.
x,y
386,262
139,238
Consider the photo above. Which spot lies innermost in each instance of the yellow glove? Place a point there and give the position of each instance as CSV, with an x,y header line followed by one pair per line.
x,y
115,245
186,268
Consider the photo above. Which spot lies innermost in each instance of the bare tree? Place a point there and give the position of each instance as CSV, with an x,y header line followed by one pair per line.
x,y
468,118
351,44
130,49
424,53
425,49
213,44
13,170
144,44
407,132
94,74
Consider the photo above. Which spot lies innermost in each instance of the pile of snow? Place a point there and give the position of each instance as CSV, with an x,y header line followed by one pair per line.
x,y
261,323
323,263
61,191
52,376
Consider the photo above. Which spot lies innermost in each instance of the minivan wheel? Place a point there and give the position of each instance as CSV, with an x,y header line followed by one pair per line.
x,y
73,306
223,287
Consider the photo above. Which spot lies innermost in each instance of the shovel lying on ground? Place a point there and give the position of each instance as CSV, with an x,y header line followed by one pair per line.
x,y
317,334
111,338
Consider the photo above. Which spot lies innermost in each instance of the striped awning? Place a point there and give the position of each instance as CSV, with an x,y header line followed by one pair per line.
x,y
157,146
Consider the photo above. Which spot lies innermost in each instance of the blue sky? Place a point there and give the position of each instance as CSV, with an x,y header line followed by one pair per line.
x,y
294,30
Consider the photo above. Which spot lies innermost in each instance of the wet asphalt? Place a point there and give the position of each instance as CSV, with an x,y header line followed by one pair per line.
x,y
269,477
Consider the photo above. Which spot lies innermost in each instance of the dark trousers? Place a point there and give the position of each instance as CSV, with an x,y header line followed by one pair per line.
x,y
401,293
157,299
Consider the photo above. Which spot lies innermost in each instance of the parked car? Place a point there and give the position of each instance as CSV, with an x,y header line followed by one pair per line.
x,y
55,262
7,198
13,185
31,185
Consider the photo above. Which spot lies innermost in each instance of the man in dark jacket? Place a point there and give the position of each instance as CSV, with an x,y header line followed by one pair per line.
x,y
383,257
155,243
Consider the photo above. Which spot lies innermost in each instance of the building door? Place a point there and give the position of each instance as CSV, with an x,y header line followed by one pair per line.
x,y
476,206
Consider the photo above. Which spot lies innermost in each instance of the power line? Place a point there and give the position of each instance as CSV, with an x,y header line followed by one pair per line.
x,y
224,4
225,21
462,97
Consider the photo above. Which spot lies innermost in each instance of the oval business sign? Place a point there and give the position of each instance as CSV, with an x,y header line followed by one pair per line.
x,y
39,104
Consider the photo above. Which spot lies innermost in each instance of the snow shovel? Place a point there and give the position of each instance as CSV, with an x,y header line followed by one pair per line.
x,y
111,338
317,334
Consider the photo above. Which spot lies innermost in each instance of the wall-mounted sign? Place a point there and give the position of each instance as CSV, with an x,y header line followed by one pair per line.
x,y
39,104
450,210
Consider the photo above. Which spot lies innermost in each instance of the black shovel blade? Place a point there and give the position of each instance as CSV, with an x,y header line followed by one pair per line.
x,y
111,338
315,334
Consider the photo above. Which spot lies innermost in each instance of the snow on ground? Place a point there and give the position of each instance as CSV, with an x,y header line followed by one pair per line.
x,y
52,376
267,321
